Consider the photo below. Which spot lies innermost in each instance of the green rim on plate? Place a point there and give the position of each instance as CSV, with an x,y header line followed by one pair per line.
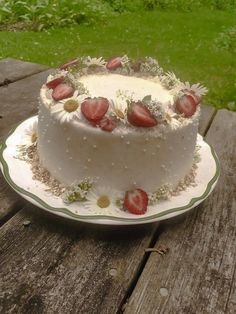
x,y
67,212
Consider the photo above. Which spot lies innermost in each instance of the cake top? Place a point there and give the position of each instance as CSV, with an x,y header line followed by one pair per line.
x,y
121,94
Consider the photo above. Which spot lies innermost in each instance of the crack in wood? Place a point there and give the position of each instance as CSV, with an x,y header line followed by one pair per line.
x,y
209,123
140,269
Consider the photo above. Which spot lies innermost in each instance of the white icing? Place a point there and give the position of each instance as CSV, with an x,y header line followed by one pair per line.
x,y
128,154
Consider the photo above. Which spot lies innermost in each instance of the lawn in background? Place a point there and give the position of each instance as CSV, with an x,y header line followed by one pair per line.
x,y
183,42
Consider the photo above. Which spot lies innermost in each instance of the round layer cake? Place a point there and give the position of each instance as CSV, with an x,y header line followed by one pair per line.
x,y
121,123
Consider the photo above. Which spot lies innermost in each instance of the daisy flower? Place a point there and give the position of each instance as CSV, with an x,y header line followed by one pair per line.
x,y
100,198
68,109
31,133
100,62
197,89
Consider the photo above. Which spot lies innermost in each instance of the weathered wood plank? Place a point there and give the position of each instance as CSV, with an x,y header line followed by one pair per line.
x,y
56,267
18,101
10,202
12,70
198,273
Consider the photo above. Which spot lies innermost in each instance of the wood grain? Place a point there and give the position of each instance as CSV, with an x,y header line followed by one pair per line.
x,y
55,267
18,101
12,70
198,273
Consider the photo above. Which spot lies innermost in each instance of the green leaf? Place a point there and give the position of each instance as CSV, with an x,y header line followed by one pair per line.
x,y
147,99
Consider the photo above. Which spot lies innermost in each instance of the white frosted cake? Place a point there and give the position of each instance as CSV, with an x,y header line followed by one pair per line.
x,y
121,125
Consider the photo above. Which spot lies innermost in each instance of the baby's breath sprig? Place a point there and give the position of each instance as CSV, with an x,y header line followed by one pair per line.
x,y
78,191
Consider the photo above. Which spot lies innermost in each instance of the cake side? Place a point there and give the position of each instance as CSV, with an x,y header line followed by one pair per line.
x,y
76,151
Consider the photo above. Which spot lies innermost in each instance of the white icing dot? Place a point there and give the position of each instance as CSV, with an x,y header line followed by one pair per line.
x,y
122,136
185,148
128,142
153,154
67,151
70,157
94,146
89,159
146,139
85,138
49,141
113,164
59,168
68,139
47,125
157,146
144,150
163,166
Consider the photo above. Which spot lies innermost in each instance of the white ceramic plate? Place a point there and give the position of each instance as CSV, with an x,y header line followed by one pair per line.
x,y
19,176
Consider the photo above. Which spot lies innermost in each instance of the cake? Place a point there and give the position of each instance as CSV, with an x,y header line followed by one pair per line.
x,y
120,125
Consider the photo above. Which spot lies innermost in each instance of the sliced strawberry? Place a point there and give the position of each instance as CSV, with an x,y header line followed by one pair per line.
x,y
136,201
65,66
114,64
186,105
94,109
139,115
190,92
108,124
62,91
53,83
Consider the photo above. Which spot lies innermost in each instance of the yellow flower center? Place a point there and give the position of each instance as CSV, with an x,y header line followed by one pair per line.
x,y
103,201
119,114
34,137
71,105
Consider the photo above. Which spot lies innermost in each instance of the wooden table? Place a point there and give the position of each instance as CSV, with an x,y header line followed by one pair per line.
x,y
49,265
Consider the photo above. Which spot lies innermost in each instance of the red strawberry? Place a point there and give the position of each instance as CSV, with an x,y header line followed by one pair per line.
x,y
136,201
139,115
65,66
190,92
186,105
53,83
94,109
108,124
114,64
62,91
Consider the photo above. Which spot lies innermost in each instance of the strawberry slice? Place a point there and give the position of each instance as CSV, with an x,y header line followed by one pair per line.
x,y
65,66
136,201
62,91
114,64
53,83
139,115
94,109
108,124
186,105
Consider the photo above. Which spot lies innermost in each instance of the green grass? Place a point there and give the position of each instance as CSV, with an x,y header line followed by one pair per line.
x,y
182,42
